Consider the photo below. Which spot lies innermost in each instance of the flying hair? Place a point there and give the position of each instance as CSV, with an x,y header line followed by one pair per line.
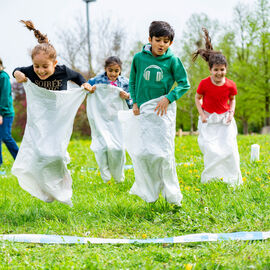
x,y
44,44
39,36
208,54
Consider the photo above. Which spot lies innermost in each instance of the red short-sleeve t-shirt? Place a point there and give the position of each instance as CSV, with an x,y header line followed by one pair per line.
x,y
215,98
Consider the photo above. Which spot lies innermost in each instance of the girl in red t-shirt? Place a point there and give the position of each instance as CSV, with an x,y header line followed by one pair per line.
x,y
215,101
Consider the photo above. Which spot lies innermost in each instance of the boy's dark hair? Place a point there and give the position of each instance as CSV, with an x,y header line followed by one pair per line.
x,y
208,54
113,60
161,29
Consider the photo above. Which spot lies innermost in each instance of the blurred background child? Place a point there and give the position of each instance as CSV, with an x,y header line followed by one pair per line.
x,y
6,114
112,76
111,96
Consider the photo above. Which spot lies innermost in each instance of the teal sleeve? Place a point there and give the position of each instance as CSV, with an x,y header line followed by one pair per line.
x,y
4,98
132,81
180,76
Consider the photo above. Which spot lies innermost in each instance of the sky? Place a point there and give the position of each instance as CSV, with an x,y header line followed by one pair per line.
x,y
49,16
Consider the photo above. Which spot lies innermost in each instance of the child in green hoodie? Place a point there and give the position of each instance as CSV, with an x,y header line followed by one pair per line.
x,y
6,115
150,144
155,69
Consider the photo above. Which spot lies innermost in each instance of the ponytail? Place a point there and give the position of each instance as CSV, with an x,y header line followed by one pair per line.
x,y
44,44
208,54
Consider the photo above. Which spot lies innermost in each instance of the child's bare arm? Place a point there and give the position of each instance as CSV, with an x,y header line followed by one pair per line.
x,y
136,109
232,109
199,107
20,77
162,106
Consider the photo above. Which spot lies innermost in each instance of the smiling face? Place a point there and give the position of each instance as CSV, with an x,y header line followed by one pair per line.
x,y
159,45
43,65
113,71
218,73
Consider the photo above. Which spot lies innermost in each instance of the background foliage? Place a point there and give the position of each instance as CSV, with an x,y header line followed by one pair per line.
x,y
245,42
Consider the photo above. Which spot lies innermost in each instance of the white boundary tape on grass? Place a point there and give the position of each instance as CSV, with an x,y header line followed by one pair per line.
x,y
190,238
129,166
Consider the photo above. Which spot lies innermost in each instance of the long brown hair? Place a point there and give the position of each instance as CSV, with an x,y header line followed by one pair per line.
x,y
44,44
208,54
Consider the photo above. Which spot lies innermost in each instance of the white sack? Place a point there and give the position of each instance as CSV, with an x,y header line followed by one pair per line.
x,y
106,131
217,141
149,140
41,164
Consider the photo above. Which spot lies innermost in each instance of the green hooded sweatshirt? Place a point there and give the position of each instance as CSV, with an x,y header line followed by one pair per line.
x,y
152,77
6,107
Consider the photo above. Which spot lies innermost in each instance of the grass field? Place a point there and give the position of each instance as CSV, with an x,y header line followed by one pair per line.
x,y
107,210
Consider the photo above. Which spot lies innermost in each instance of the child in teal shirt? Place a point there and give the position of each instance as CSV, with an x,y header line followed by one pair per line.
x,y
155,69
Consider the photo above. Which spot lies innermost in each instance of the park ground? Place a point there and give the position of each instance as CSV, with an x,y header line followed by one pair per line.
x,y
107,210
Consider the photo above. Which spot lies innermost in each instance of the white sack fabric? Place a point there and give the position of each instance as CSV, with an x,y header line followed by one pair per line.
x,y
217,141
41,164
149,140
106,131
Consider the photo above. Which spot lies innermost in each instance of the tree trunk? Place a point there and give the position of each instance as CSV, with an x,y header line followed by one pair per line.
x,y
245,127
267,115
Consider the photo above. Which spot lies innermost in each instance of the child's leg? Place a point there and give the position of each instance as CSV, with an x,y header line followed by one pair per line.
x,y
171,190
7,138
116,161
102,161
148,172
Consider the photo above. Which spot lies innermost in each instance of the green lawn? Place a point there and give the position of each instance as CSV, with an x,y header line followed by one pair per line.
x,y
107,210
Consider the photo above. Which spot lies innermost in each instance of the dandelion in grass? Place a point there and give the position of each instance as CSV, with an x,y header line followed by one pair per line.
x,y
190,171
144,236
187,188
188,266
244,179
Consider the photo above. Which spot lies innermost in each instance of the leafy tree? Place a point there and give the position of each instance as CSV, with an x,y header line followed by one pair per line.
x,y
262,18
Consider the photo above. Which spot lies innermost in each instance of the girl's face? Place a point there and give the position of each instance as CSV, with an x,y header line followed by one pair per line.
x,y
44,67
113,71
218,73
